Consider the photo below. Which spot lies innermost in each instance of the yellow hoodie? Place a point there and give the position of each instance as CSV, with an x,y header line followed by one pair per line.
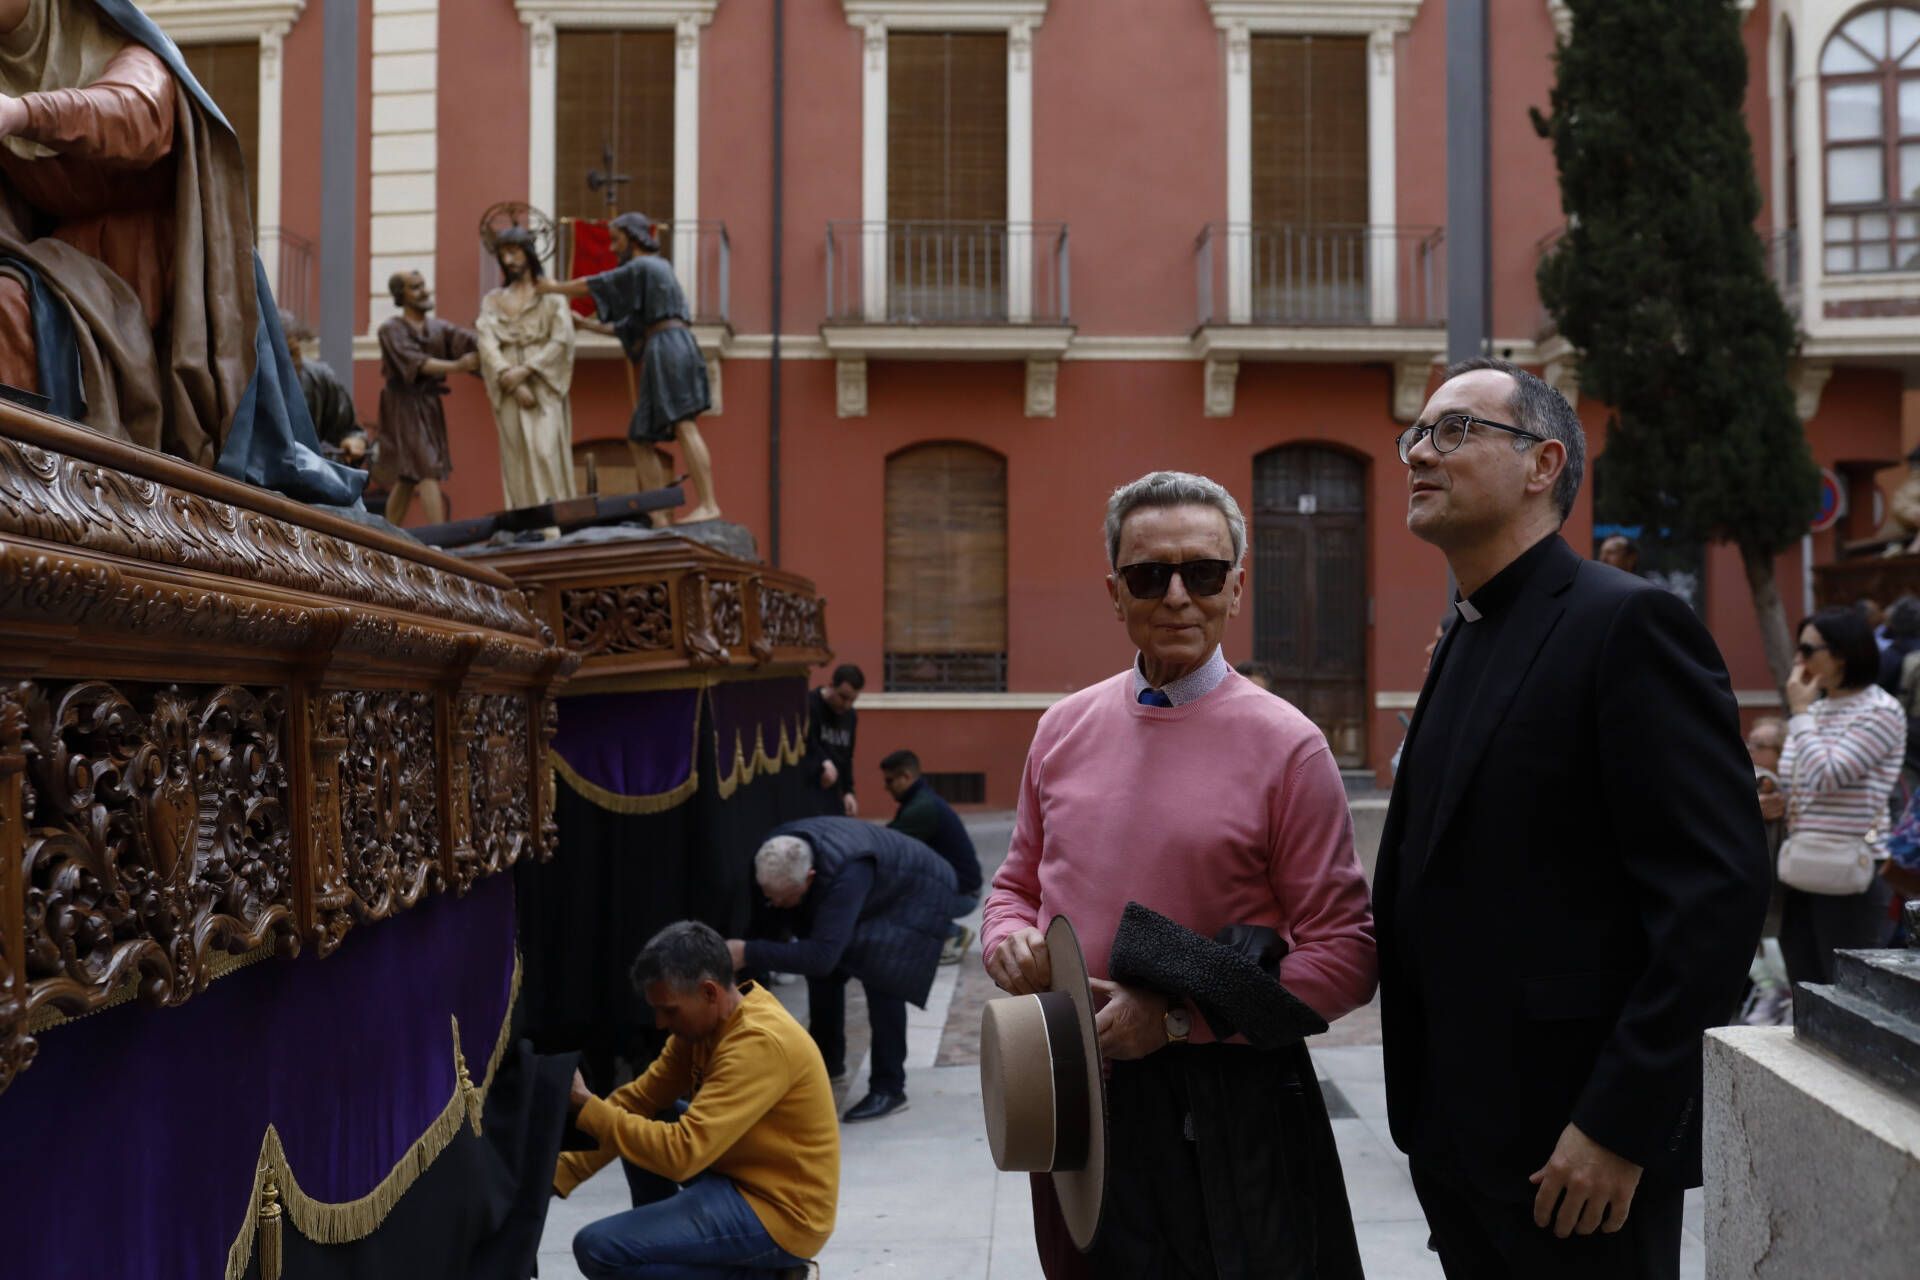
x,y
760,1113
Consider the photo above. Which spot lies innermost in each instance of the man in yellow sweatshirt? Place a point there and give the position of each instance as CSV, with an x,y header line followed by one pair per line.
x,y
756,1151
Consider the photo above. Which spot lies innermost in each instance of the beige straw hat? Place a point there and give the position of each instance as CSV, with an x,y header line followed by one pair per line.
x,y
1040,1083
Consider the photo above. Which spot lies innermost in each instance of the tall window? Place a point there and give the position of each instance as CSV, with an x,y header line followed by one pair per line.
x,y
946,623
1310,587
230,73
1309,239
947,175
613,120
1870,94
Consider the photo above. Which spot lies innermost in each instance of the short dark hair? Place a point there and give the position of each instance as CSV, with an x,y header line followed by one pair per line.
x,y
847,673
1535,406
640,229
1848,634
900,762
1903,617
397,286
683,955
523,238
1633,548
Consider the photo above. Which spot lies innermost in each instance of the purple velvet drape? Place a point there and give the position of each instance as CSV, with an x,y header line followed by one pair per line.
x,y
631,744
130,1144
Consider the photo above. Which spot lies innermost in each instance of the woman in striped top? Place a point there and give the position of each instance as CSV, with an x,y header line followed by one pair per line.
x,y
1841,760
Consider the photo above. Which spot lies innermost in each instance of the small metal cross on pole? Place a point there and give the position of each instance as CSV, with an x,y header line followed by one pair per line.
x,y
606,180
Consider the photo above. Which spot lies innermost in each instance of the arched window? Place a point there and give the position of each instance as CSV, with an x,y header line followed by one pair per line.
x,y
946,624
1870,99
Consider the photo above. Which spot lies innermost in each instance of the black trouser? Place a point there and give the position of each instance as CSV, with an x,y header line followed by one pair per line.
x,y
1481,1238
886,1017
1814,925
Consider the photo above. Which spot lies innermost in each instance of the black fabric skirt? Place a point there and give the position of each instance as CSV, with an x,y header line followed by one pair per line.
x,y
673,385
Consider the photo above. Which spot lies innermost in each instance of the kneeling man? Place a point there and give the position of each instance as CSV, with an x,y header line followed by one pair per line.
x,y
754,1146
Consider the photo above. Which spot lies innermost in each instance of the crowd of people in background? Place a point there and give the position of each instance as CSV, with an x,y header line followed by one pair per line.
x,y
1843,764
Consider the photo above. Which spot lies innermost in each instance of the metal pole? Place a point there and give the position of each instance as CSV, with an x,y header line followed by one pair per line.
x,y
339,182
779,235
1469,240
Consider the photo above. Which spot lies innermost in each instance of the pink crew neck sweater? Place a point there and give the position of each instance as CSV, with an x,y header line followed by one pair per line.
x,y
1227,810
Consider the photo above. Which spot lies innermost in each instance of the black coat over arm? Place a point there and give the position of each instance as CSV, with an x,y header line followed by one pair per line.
x,y
1590,896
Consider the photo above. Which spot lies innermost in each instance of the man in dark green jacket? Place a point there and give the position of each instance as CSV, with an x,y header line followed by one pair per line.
x,y
928,818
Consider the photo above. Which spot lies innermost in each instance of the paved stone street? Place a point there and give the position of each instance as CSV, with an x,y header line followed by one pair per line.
x,y
920,1198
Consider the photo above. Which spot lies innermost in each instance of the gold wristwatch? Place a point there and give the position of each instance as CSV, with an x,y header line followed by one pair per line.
x,y
1179,1025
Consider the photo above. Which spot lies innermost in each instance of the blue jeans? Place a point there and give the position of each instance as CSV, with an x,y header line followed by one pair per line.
x,y
705,1231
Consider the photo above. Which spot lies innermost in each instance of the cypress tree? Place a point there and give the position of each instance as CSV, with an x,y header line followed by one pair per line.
x,y
1659,284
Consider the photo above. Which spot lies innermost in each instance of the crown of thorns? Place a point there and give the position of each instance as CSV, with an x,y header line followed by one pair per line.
x,y
513,222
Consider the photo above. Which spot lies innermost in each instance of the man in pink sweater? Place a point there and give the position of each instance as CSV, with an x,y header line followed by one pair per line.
x,y
1183,786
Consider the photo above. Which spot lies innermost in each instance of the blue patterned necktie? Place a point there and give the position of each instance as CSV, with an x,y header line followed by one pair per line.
x,y
1154,698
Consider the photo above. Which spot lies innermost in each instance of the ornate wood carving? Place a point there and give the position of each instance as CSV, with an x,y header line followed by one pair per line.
x,y
157,836
16,1046
704,648
664,602
389,799
623,618
500,786
791,620
227,724
86,506
729,622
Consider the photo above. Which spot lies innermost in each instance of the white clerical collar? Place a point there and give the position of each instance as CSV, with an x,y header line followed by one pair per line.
x,y
1467,611
1196,684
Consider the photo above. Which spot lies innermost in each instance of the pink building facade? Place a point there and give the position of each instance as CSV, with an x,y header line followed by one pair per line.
x,y
1151,282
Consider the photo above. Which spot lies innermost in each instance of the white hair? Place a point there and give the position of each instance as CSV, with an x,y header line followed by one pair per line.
x,y
1173,489
783,862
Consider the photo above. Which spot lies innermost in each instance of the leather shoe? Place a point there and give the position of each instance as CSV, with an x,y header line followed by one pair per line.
x,y
874,1106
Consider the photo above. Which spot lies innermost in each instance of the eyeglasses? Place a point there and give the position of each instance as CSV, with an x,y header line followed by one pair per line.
x,y
1450,432
1808,650
1150,579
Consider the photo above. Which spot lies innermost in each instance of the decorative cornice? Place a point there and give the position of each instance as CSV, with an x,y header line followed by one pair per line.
x,y
615,13
223,19
945,15
1314,16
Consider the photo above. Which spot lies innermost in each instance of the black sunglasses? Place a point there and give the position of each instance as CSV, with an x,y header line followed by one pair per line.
x,y
1450,432
1150,579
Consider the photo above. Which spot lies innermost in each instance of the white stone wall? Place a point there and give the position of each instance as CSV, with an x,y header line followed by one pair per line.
x,y
406,43
1812,1169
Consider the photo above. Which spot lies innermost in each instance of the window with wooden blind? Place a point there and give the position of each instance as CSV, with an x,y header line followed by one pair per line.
x,y
1309,171
946,578
230,73
614,99
947,175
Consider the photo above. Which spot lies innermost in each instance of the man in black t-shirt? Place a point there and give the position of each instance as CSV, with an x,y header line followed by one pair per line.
x,y
831,725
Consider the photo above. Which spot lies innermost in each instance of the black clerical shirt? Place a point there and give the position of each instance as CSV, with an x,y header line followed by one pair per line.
x,y
1459,668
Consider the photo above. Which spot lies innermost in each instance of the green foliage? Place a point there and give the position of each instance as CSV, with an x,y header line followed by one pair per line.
x,y
1659,279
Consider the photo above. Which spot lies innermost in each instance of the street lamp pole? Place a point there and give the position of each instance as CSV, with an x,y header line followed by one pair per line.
x,y
339,183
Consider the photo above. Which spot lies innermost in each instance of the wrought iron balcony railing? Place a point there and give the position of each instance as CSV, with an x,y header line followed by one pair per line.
x,y
948,273
289,260
1285,275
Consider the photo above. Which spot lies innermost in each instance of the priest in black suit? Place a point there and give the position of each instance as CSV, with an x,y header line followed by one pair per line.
x,y
1573,871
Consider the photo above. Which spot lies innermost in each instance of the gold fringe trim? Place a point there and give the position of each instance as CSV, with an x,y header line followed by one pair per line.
x,y
218,966
325,1223
747,767
660,802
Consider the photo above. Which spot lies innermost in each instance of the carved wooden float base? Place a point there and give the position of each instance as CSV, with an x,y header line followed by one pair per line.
x,y
232,726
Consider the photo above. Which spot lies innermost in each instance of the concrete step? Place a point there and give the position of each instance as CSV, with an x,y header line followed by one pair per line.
x,y
1860,1032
